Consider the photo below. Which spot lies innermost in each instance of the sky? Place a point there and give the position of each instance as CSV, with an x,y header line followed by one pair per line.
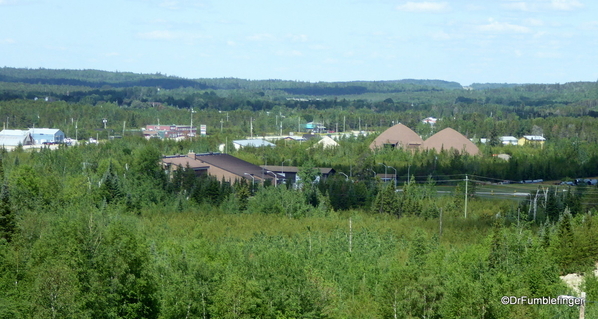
x,y
467,41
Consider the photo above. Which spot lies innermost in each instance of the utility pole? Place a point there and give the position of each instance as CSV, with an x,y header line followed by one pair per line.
x,y
466,180
440,224
191,127
350,235
344,124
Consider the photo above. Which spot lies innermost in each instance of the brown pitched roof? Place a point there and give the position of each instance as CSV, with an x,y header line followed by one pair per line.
x,y
449,138
295,169
400,136
232,164
183,161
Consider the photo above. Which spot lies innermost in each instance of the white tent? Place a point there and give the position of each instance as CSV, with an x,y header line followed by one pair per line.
x,y
327,142
15,137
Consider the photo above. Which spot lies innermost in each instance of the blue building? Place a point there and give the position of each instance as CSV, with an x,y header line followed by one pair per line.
x,y
47,135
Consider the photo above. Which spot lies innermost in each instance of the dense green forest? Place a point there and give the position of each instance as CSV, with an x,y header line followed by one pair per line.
x,y
100,231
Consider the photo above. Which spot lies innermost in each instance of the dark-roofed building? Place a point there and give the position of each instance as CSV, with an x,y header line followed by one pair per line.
x,y
173,162
450,139
397,136
222,166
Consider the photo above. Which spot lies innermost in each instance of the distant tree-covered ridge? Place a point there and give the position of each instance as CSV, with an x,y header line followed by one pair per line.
x,y
98,79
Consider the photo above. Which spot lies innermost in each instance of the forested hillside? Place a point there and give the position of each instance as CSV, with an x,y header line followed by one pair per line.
x,y
100,230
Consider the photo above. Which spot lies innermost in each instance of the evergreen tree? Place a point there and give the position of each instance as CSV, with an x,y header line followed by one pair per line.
x,y
563,248
110,188
387,202
7,215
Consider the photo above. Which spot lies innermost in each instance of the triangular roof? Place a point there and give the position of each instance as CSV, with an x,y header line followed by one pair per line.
x,y
253,143
397,135
450,139
327,142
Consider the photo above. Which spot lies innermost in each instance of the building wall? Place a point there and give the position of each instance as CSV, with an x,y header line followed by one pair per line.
x,y
40,138
523,141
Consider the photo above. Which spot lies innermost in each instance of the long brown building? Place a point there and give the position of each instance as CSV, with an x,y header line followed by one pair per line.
x,y
222,166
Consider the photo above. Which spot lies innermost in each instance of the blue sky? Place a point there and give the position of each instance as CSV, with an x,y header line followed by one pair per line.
x,y
514,41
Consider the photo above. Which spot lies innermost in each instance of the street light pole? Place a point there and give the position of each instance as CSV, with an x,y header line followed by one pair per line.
x,y
369,169
346,177
395,176
275,178
252,181
385,169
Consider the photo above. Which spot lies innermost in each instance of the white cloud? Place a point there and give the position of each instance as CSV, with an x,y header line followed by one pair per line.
x,y
548,55
543,5
7,41
540,34
520,6
261,37
180,4
318,47
593,25
534,22
565,5
502,27
158,35
169,35
442,36
424,7
474,7
110,54
289,53
297,37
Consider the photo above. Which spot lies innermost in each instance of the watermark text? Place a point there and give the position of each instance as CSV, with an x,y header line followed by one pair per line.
x,y
525,300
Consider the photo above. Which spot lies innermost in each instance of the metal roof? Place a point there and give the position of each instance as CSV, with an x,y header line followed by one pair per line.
x,y
49,131
14,132
254,143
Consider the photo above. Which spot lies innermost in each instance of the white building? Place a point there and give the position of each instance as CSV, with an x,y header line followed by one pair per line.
x,y
509,140
15,138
